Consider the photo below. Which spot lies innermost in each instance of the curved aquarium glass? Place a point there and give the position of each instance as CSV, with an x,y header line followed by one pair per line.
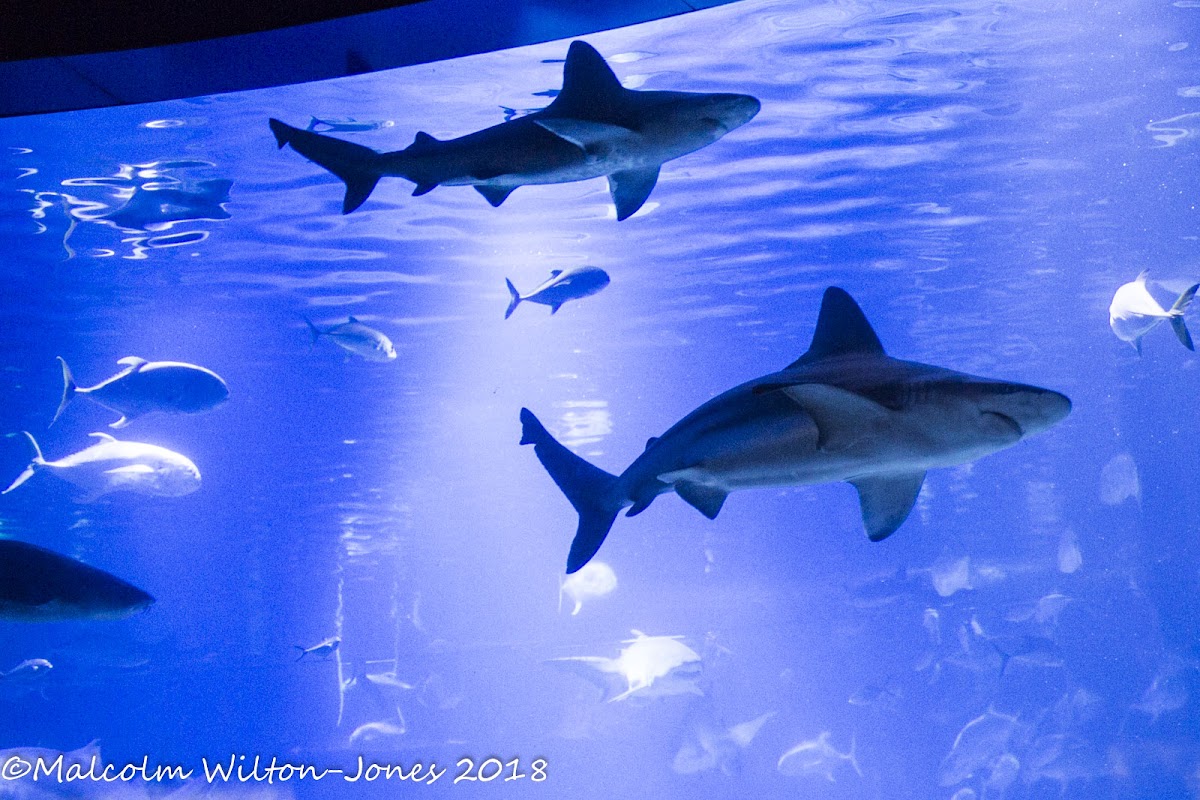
x,y
888,301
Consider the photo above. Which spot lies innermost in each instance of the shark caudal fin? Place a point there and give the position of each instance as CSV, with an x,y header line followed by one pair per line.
x,y
357,166
37,461
516,299
1177,323
69,390
590,489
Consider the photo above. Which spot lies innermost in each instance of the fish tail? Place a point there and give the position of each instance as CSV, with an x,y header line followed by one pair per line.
x,y
591,490
516,298
303,652
69,389
1177,322
312,329
852,758
27,473
357,166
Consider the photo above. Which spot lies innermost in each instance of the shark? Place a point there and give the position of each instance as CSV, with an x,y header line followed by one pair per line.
x,y
39,585
843,411
647,667
593,128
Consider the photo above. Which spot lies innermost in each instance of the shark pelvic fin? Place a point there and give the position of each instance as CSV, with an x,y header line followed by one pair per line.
x,y
886,501
705,499
630,189
842,329
495,194
590,90
591,490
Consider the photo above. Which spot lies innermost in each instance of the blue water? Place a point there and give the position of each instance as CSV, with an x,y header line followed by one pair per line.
x,y
981,177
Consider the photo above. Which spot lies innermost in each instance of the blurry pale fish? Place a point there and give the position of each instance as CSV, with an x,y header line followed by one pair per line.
x,y
709,746
357,338
144,387
951,575
817,757
1119,481
323,649
347,124
1004,772
1166,693
373,732
977,746
965,793
595,579
1134,312
648,667
112,465
1070,557
1065,760
27,670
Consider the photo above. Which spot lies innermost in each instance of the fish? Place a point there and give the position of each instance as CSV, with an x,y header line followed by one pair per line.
x,y
843,411
573,284
155,209
595,580
145,387
976,747
347,124
39,585
817,757
323,649
594,128
648,667
1134,312
356,338
27,669
112,465
708,746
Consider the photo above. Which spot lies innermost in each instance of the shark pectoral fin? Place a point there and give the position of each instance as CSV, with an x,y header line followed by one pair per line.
x,y
630,189
886,501
593,138
423,188
705,499
843,418
495,194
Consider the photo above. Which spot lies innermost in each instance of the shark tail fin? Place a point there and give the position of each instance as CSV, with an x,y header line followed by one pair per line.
x,y
516,299
69,389
357,166
590,489
1177,323
27,473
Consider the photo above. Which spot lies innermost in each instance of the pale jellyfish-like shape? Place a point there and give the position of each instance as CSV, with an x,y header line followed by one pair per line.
x,y
594,579
1119,481
1070,558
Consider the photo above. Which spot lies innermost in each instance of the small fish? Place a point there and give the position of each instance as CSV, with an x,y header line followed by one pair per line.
x,y
596,579
356,338
573,284
324,649
347,124
144,387
650,666
710,746
817,757
27,669
39,585
977,746
112,465
1134,312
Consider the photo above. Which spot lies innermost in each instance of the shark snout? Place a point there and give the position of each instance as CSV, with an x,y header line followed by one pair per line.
x,y
1030,408
734,110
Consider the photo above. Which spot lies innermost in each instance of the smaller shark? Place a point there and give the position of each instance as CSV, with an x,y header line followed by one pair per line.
x,y
1134,312
573,284
144,387
843,411
648,667
712,746
323,649
357,338
39,585
594,128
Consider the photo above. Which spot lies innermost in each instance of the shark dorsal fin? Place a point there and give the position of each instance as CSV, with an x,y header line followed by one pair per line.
x,y
354,321
590,89
554,273
842,330
423,142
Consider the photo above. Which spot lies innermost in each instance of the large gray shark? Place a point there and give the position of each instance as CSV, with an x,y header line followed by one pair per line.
x,y
844,411
594,127
39,585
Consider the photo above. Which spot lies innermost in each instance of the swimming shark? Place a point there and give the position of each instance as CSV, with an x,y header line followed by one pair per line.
x,y
594,128
145,386
573,284
647,667
39,585
843,411
1134,312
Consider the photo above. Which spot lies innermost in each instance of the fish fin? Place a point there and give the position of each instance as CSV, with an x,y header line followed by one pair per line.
x,y
842,330
705,499
590,89
554,307
424,188
121,423
495,194
1137,345
355,165
69,389
1142,276
887,501
516,299
842,417
130,469
591,490
25,475
312,329
1177,322
593,138
554,273
353,320
1184,299
650,442
1181,332
37,461
630,188
133,361
423,143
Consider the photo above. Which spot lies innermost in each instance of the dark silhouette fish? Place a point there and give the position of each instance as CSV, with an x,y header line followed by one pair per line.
x,y
39,585
144,387
594,128
573,284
